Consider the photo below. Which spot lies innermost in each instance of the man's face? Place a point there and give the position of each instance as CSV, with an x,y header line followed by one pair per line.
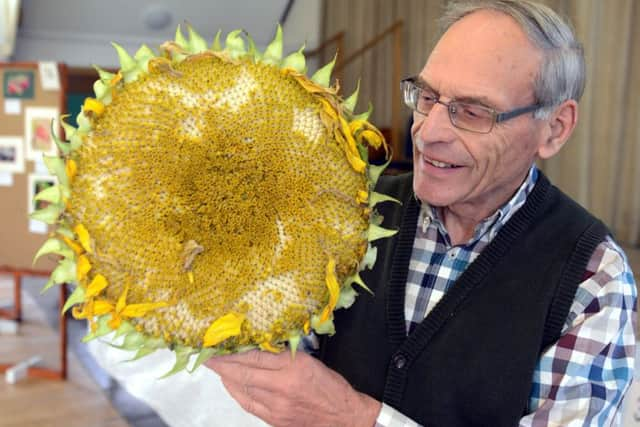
x,y
484,58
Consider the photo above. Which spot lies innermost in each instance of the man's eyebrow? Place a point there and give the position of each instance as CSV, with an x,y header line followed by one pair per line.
x,y
471,99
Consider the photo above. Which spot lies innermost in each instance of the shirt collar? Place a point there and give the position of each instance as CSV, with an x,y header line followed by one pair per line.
x,y
490,225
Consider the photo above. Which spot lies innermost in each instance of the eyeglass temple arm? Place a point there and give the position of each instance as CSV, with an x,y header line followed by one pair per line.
x,y
517,112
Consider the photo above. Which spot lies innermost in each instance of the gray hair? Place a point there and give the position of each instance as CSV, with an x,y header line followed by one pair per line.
x,y
562,72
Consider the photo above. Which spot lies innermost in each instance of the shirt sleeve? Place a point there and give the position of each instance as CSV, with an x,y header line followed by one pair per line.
x,y
389,417
581,379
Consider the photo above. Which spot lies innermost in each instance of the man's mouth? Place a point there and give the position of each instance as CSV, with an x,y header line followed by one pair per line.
x,y
439,164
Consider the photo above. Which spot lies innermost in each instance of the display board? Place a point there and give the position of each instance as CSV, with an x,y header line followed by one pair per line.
x,y
32,94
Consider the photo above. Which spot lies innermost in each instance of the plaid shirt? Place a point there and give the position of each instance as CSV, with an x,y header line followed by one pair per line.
x,y
581,379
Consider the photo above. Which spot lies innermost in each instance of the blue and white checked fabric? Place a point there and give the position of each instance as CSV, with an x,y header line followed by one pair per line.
x,y
581,379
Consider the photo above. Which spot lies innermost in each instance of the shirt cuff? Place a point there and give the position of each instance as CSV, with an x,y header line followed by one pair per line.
x,y
389,417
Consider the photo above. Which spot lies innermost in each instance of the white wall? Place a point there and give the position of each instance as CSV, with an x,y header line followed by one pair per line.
x,y
79,33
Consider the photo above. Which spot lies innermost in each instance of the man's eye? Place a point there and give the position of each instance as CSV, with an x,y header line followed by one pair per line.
x,y
428,97
472,111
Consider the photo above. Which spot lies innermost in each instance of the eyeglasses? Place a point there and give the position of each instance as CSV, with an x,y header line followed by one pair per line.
x,y
463,115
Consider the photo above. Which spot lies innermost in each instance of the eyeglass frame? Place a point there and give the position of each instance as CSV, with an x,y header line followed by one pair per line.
x,y
497,117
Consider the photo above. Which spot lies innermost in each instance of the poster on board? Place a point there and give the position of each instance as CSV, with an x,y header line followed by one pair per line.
x,y
37,132
35,184
11,154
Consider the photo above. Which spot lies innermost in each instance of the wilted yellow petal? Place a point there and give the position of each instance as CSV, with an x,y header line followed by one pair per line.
x,y
101,307
139,310
83,237
116,79
355,125
362,197
268,347
223,328
73,245
306,327
122,300
96,286
82,267
334,290
93,105
115,321
79,311
71,168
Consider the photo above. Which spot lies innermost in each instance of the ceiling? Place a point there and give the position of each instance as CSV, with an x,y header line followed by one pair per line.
x,y
75,31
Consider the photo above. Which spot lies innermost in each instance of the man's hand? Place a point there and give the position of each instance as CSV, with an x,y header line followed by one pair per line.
x,y
300,391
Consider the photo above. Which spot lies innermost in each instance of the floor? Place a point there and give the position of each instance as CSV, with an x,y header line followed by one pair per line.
x,y
127,410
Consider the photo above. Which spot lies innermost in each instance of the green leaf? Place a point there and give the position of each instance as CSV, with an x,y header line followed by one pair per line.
x,y
182,359
84,126
365,115
347,297
102,329
294,342
253,50
376,232
375,198
68,129
375,171
124,328
235,44
216,46
104,75
358,280
76,297
179,38
350,103
133,341
326,327
369,259
65,231
63,146
150,345
127,63
55,165
50,194
142,56
323,75
204,355
65,272
296,61
76,139
102,91
273,53
54,246
48,215
196,43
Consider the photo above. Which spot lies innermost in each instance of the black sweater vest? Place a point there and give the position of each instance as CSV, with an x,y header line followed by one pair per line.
x,y
471,361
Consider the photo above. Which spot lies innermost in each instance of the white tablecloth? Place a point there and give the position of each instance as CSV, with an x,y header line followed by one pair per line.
x,y
181,400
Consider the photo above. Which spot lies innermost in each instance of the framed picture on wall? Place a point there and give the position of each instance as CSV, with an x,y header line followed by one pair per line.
x,y
18,84
37,132
37,183
11,154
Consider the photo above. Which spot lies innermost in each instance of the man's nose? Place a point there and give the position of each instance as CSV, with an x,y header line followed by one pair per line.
x,y
434,125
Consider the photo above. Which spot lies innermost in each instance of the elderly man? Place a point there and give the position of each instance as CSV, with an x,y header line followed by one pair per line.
x,y
500,301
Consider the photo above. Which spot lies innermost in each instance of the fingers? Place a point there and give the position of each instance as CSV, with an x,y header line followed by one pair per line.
x,y
254,358
253,376
244,395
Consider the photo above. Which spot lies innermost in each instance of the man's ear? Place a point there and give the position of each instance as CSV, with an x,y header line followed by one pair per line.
x,y
561,124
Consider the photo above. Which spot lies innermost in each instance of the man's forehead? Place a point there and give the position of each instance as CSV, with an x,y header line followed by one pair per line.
x,y
484,52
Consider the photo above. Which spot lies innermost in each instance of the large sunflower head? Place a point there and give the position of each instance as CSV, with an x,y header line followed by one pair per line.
x,y
213,199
